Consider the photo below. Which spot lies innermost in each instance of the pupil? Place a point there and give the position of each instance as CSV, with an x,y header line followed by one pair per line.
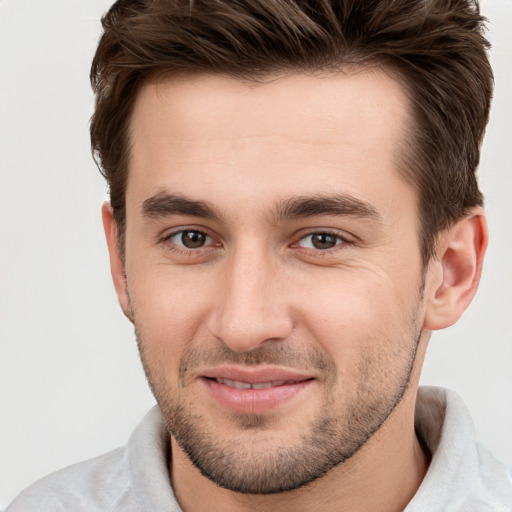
x,y
324,241
192,239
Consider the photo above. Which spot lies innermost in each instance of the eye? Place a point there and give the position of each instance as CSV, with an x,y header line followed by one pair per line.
x,y
190,239
320,241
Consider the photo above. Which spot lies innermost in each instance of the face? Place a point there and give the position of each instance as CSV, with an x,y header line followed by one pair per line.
x,y
273,269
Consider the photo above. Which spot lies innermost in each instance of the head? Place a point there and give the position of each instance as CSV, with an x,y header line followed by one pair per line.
x,y
293,208
435,49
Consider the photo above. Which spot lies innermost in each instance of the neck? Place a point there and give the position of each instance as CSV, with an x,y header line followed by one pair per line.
x,y
384,475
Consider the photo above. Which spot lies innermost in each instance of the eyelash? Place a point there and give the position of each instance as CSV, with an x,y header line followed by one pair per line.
x,y
166,240
343,242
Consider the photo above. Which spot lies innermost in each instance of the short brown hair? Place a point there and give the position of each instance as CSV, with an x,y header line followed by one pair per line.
x,y
436,48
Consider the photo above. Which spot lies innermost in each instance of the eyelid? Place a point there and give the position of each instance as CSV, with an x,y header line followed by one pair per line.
x,y
175,232
165,239
337,239
170,232
345,240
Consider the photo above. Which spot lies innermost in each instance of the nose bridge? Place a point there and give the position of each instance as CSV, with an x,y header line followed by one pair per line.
x,y
252,306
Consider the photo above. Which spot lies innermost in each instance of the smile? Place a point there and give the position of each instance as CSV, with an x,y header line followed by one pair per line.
x,y
255,391
248,385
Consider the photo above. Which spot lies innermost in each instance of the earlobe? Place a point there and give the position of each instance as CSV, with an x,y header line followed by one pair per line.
x,y
116,262
459,258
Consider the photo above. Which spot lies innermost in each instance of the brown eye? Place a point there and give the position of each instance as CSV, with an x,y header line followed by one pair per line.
x,y
321,241
193,239
190,239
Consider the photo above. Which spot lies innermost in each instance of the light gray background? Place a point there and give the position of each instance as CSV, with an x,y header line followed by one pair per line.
x,y
71,385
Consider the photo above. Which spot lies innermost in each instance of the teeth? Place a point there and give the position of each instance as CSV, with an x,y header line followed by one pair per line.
x,y
235,384
262,385
247,385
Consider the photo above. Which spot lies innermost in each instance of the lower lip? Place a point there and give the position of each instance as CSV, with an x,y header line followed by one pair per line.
x,y
254,401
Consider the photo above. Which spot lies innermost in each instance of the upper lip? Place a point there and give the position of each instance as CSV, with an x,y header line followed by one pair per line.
x,y
255,375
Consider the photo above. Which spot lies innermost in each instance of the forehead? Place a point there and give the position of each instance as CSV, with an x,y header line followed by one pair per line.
x,y
362,98
289,135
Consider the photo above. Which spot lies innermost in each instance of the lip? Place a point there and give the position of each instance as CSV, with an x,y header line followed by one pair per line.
x,y
255,374
255,401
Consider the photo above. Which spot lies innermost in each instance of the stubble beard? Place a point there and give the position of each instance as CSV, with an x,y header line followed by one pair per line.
x,y
333,437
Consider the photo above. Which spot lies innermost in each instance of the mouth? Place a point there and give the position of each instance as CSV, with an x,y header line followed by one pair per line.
x,y
256,385
254,391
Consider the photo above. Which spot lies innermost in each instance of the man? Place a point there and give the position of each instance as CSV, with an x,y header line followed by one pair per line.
x,y
293,211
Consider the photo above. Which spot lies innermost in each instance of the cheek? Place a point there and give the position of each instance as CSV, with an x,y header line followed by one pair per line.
x,y
169,308
356,311
367,326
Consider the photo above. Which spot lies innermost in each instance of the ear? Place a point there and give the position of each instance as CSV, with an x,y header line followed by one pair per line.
x,y
116,262
458,267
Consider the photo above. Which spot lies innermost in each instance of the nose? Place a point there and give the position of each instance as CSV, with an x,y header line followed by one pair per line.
x,y
251,306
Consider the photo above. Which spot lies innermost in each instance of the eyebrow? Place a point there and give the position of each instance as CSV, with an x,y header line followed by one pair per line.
x,y
336,204
164,204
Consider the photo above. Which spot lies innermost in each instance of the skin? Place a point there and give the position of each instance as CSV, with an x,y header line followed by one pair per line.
x,y
355,317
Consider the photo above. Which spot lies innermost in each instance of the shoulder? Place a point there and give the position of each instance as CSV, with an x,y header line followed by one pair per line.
x,y
130,479
494,486
97,484
463,475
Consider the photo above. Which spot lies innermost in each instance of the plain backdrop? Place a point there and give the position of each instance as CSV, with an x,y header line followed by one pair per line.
x,y
71,385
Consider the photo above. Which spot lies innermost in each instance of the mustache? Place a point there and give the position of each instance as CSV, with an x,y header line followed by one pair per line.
x,y
277,354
